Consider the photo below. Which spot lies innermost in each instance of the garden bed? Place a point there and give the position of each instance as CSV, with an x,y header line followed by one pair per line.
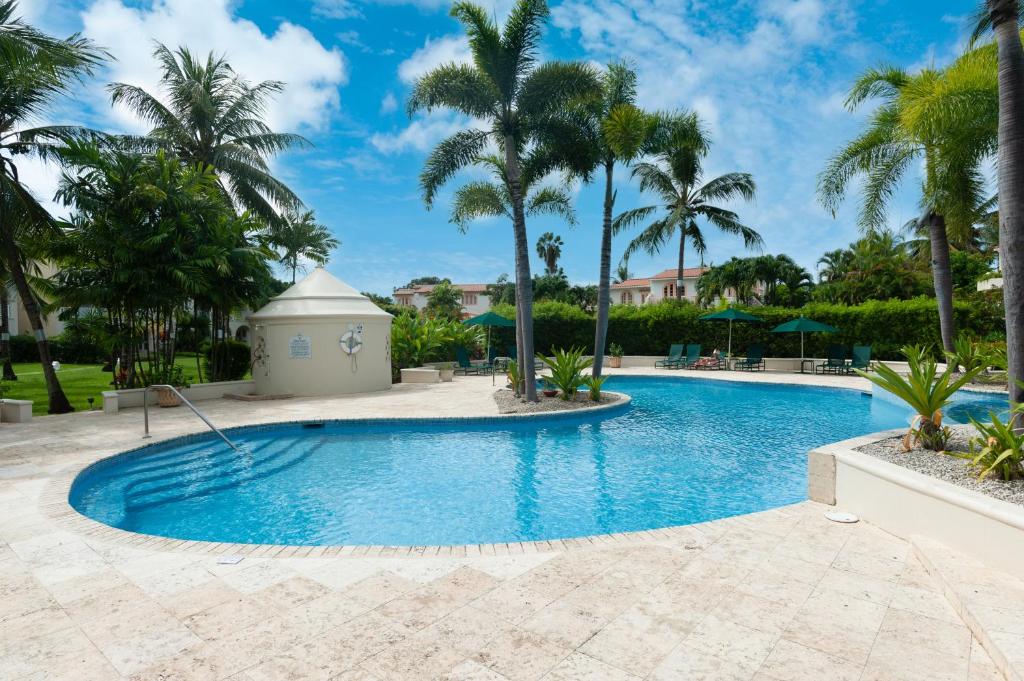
x,y
508,403
946,467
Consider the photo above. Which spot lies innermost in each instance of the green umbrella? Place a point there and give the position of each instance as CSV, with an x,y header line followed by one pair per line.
x,y
489,319
731,314
803,325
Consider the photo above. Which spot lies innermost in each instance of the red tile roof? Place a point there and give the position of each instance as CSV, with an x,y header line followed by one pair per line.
x,y
427,288
633,283
688,273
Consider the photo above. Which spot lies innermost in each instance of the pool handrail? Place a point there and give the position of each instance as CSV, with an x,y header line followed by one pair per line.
x,y
145,412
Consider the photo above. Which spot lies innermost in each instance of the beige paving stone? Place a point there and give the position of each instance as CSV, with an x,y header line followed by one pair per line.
x,y
892,659
137,639
927,602
413,659
15,631
837,624
918,631
226,618
581,667
790,661
467,629
866,588
744,647
520,655
756,612
691,663
355,675
468,670
514,601
289,593
639,639
198,598
567,623
78,588
380,588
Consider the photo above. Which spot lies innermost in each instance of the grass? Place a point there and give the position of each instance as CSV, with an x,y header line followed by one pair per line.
x,y
80,382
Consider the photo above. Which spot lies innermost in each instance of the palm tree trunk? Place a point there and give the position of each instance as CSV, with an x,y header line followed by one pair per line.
x,y
1011,186
58,401
682,252
524,285
603,283
5,334
942,277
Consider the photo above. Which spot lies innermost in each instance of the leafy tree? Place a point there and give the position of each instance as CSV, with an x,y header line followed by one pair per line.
x,y
549,249
298,236
967,268
215,118
876,267
444,301
622,273
501,292
505,87
780,281
35,68
423,281
676,177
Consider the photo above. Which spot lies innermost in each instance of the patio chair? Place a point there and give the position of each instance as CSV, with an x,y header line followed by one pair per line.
x,y
692,356
714,362
513,353
861,359
754,361
675,355
835,362
466,367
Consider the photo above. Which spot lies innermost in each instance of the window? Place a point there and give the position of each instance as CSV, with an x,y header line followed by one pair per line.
x,y
469,299
627,297
669,291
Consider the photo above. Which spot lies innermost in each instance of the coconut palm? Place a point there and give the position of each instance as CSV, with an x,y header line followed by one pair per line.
x,y
549,249
210,115
1003,17
896,137
514,96
35,68
834,264
297,236
622,273
676,176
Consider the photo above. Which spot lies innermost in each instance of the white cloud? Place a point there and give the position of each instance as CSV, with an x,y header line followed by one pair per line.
x,y
434,53
336,9
311,72
389,104
421,135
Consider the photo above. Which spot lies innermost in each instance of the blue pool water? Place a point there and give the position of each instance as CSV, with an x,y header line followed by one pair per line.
x,y
685,451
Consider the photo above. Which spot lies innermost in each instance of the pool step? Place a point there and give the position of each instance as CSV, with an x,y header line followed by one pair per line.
x,y
262,464
990,602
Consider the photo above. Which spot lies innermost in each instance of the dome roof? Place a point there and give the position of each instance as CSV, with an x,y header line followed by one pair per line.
x,y
320,294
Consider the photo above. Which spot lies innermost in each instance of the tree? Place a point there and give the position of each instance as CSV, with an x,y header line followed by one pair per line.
x,y
835,264
423,281
444,301
622,273
1003,16
506,88
215,118
35,68
877,266
676,177
896,136
298,236
549,249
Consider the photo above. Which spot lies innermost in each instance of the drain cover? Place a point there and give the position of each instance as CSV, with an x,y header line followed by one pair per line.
x,y
229,560
841,517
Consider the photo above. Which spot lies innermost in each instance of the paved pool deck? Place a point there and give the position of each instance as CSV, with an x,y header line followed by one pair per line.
x,y
778,595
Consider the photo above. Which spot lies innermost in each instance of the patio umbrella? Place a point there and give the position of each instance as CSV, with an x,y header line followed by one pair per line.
x,y
731,314
489,319
803,325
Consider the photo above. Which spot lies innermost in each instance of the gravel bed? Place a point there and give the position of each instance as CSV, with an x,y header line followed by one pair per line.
x,y
946,467
508,403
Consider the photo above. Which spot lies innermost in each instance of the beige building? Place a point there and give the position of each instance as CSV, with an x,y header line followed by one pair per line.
x,y
320,337
663,286
474,298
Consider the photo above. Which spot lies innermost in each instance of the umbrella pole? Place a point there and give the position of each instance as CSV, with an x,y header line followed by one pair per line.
x,y
488,358
729,351
801,349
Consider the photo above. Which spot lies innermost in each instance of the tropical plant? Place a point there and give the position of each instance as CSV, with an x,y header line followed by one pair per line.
x,y
444,301
415,340
593,384
210,115
297,236
515,377
925,391
514,97
615,350
998,450
234,362
896,137
969,354
1003,17
622,273
677,177
878,266
35,68
566,368
549,250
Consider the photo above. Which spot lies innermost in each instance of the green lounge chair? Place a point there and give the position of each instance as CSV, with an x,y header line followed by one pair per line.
x,y
692,356
466,366
675,355
835,362
861,359
754,361
513,352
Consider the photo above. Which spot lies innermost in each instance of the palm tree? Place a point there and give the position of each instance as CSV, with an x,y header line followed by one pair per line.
x,y
897,136
622,273
215,118
676,177
1003,17
505,87
549,249
35,68
298,236
835,264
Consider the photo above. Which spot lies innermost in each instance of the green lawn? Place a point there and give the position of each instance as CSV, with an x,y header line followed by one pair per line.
x,y
80,382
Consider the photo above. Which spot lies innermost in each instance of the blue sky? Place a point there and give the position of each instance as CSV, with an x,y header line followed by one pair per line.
x,y
767,76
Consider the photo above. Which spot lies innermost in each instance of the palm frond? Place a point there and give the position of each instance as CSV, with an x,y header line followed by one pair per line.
x,y
447,158
475,200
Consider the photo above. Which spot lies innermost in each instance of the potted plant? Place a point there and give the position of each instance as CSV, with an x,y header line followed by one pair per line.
x,y
172,375
549,390
614,356
446,369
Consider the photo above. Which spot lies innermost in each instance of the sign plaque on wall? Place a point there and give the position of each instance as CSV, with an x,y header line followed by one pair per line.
x,y
300,347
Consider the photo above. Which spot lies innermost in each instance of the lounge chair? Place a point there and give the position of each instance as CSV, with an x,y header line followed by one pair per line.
x,y
513,353
692,356
466,366
714,362
675,355
861,359
835,363
754,361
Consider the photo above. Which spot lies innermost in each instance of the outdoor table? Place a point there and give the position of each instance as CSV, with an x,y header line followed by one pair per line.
x,y
805,361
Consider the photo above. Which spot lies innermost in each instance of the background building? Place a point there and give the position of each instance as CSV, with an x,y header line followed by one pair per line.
x,y
474,297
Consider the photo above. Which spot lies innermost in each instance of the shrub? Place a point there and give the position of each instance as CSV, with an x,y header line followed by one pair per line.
x,y
566,370
998,451
926,395
969,354
232,357
594,384
614,350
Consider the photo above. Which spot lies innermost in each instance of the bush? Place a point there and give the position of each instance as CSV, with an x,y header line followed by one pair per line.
x,y
233,361
74,350
23,348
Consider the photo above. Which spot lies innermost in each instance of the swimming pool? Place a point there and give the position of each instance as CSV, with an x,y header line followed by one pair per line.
x,y
685,451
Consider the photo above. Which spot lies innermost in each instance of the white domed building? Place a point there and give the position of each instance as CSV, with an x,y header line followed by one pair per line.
x,y
320,337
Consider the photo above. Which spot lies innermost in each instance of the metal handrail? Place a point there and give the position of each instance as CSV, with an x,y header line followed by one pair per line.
x,y
145,411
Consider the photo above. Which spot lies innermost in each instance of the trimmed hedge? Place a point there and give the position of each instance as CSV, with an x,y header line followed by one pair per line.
x,y
68,351
651,329
234,358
